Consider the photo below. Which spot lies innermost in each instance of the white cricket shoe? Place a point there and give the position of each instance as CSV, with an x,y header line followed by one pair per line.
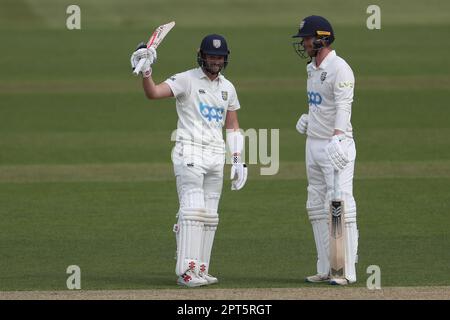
x,y
209,278
318,278
191,279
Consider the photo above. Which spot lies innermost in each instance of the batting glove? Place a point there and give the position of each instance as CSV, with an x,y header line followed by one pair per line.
x,y
238,173
302,124
142,52
337,152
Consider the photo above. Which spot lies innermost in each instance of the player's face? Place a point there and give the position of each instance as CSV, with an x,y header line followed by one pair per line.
x,y
308,45
214,64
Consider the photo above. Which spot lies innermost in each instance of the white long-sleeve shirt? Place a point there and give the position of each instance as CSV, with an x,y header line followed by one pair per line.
x,y
330,96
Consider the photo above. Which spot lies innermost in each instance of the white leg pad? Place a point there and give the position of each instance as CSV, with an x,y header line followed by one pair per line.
x,y
351,240
190,230
189,198
192,198
176,229
209,231
212,201
319,221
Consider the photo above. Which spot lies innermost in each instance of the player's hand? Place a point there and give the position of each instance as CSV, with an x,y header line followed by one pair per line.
x,y
238,173
337,152
142,52
302,124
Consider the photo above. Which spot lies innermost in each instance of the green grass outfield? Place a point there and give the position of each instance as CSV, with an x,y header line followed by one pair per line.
x,y
85,171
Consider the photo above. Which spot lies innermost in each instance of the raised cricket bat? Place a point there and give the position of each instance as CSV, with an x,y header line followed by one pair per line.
x,y
155,40
337,232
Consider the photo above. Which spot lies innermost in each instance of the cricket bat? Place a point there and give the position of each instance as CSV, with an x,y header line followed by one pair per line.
x,y
155,40
337,232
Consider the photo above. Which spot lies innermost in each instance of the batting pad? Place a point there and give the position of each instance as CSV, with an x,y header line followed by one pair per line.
x,y
190,237
351,244
319,221
209,231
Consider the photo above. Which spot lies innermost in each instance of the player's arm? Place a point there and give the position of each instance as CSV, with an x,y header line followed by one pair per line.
x,y
343,93
156,91
235,142
232,123
152,90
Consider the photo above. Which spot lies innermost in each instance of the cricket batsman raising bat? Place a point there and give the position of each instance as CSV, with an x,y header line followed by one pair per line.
x,y
206,102
330,153
152,44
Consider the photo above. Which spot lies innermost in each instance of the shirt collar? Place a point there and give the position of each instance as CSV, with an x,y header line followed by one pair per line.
x,y
201,75
325,61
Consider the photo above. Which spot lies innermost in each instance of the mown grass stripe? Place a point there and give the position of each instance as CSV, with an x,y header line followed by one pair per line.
x,y
435,82
123,172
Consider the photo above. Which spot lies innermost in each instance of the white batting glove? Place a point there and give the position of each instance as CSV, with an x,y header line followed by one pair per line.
x,y
150,56
337,152
238,173
302,124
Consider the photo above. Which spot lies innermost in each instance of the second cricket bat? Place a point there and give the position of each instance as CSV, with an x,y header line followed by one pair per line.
x,y
337,232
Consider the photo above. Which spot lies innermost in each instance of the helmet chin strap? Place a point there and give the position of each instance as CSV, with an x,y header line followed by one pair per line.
x,y
316,47
316,51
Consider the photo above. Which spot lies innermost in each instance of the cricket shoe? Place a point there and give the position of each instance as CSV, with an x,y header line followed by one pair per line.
x,y
318,278
191,279
340,282
203,273
209,278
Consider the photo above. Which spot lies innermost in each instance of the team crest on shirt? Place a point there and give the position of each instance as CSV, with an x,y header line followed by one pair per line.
x,y
225,95
323,76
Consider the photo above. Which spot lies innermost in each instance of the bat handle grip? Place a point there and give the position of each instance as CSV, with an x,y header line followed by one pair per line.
x,y
138,67
336,187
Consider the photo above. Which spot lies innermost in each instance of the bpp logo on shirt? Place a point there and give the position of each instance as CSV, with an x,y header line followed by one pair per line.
x,y
314,98
211,113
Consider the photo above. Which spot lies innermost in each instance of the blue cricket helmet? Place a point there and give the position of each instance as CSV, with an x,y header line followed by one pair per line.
x,y
214,45
317,27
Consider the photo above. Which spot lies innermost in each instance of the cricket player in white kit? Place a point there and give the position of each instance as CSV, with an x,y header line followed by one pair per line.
x,y
205,101
330,147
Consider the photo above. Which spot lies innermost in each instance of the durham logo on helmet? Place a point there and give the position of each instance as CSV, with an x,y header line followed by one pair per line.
x,y
217,43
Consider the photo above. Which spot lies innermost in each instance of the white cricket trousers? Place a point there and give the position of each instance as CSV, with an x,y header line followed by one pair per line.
x,y
199,178
320,174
